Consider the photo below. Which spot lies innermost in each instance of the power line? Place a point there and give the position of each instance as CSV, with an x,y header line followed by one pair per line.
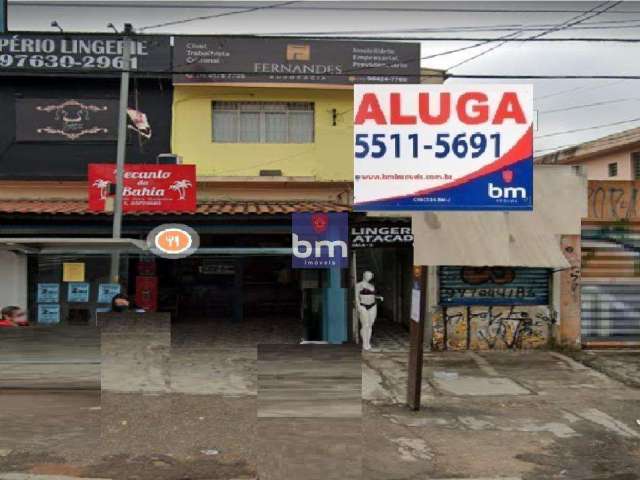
x,y
584,87
577,19
595,127
218,15
587,105
464,39
564,25
445,75
491,49
633,134
216,5
507,28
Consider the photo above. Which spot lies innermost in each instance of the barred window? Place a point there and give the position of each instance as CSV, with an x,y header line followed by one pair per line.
x,y
263,122
635,157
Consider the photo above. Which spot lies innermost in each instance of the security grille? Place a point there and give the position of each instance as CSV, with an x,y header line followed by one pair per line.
x,y
494,286
611,311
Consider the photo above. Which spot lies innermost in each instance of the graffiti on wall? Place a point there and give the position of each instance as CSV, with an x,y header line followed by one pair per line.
x,y
493,285
493,327
614,200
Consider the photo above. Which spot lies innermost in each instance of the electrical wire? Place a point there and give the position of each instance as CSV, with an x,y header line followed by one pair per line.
x,y
218,15
489,50
584,129
575,89
591,13
216,5
587,105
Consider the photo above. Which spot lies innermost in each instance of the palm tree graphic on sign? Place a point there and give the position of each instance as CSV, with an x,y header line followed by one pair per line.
x,y
181,186
103,185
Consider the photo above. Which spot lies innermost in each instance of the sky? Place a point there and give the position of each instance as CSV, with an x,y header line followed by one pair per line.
x,y
561,104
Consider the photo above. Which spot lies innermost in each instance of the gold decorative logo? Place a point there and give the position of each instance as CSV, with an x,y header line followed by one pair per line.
x,y
299,53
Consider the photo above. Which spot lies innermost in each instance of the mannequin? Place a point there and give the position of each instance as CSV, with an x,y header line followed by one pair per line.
x,y
366,299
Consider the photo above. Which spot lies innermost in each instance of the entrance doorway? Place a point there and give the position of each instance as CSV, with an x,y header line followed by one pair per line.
x,y
232,299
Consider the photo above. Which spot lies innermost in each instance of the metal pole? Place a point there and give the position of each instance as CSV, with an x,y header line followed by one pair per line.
x,y
416,340
121,148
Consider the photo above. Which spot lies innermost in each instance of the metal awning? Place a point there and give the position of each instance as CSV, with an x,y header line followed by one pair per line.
x,y
105,246
79,246
520,239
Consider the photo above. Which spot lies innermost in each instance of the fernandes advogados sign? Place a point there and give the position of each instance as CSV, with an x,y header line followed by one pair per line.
x,y
440,147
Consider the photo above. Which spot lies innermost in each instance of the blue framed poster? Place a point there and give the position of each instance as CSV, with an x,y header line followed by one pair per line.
x,y
78,292
106,292
320,240
48,293
48,313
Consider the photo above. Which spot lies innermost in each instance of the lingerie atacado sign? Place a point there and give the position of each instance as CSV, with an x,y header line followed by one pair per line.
x,y
147,188
381,234
77,53
443,147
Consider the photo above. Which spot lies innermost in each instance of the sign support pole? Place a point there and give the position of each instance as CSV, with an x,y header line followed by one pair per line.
x,y
121,148
416,341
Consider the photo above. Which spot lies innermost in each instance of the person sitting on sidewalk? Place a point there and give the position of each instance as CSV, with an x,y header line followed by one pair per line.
x,y
13,316
121,303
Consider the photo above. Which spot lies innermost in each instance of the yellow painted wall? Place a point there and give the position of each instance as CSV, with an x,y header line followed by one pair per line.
x,y
328,158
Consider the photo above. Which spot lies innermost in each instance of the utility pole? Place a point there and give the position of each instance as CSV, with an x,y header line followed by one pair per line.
x,y
416,336
121,148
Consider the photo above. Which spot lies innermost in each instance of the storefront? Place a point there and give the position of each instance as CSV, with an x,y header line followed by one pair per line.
x,y
242,272
384,247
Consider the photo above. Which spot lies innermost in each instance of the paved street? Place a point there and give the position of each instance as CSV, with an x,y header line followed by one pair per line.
x,y
534,415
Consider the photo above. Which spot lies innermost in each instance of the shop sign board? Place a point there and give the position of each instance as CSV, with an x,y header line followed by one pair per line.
x,y
66,120
293,60
320,240
173,241
73,53
147,188
381,233
443,147
494,286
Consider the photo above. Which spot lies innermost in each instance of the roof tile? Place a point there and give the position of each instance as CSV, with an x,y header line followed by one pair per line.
x,y
80,207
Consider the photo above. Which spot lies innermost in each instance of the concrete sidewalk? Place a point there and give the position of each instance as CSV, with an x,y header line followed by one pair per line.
x,y
522,415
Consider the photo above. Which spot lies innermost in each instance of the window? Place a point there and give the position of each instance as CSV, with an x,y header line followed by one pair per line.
x,y
263,122
635,159
613,169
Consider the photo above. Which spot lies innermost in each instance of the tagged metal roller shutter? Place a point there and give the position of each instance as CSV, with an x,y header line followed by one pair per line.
x,y
611,311
494,286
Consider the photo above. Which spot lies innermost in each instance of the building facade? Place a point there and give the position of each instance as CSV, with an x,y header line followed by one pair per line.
x,y
610,313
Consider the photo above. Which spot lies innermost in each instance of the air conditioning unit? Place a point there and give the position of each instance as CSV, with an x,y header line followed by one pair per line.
x,y
169,159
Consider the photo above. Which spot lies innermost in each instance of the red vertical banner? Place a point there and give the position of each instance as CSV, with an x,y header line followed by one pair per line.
x,y
147,188
147,293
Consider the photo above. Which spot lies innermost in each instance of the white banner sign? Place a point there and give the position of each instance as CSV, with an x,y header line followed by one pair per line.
x,y
443,147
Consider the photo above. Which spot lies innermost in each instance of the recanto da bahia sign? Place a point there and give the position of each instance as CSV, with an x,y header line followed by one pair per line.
x,y
147,188
443,147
